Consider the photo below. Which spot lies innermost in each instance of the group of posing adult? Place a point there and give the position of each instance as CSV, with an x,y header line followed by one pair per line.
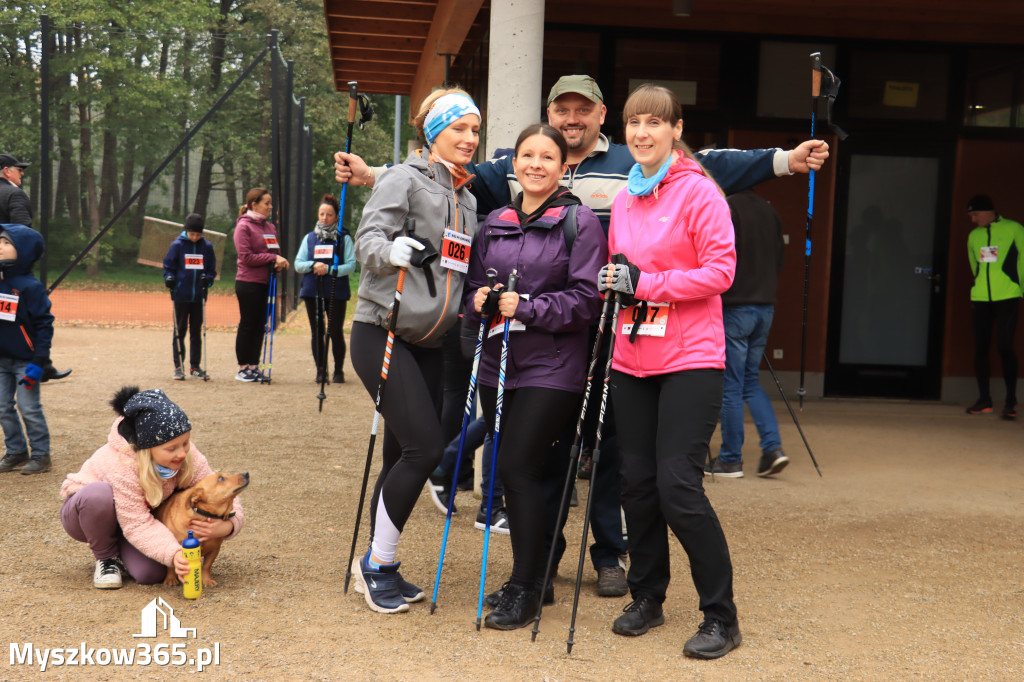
x,y
671,225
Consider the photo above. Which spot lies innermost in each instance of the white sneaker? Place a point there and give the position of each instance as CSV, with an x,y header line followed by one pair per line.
x,y
107,575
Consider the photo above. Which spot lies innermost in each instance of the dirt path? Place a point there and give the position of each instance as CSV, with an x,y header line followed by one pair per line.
x,y
903,561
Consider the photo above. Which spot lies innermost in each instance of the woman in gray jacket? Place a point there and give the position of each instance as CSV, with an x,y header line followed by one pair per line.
x,y
431,188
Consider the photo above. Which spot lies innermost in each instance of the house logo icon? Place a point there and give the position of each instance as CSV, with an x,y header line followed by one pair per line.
x,y
151,613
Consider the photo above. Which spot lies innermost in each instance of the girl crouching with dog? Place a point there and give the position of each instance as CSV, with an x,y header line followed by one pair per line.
x,y
109,503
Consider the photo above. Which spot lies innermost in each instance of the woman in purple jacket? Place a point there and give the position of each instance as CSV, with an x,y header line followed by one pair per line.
x,y
258,253
555,301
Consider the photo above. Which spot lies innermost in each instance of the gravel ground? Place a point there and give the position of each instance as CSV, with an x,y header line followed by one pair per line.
x,y
902,561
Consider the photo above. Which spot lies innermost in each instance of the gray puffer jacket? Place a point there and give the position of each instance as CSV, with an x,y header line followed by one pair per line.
x,y
422,191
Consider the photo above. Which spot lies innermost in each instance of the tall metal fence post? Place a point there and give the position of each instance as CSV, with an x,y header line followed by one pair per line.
x,y
46,177
275,130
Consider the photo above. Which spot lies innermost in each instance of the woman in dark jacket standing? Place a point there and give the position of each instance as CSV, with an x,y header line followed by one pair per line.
x,y
555,301
258,253
326,258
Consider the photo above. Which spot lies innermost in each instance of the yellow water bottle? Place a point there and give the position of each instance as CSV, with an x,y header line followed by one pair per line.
x,y
192,551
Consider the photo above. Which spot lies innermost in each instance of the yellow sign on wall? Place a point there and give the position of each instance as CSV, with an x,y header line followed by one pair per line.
x,y
899,94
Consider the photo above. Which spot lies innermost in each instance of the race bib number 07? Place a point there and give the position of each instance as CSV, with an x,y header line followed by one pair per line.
x,y
8,307
652,324
455,251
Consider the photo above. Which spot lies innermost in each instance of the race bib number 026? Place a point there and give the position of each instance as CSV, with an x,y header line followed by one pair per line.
x,y
653,323
455,251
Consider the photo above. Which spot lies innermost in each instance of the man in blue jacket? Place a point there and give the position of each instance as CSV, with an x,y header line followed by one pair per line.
x,y
190,267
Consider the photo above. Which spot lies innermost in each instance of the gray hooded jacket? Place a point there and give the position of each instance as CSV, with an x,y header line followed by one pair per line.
x,y
422,191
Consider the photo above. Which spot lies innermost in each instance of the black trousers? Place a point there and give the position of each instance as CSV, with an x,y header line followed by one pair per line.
x,y
1002,314
531,419
664,425
412,416
252,319
188,316
336,329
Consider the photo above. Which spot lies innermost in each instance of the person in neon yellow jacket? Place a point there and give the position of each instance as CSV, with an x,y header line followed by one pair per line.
x,y
995,248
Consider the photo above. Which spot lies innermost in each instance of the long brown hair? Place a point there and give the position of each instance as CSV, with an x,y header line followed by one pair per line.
x,y
251,197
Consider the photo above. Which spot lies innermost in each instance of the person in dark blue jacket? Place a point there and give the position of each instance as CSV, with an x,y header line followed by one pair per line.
x,y
326,257
26,332
190,267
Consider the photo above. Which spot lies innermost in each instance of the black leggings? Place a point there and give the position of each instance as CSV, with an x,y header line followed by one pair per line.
x,y
1004,315
531,419
336,329
664,425
412,415
188,316
252,318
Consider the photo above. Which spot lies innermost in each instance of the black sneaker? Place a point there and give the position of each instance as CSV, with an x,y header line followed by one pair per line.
x,y
440,492
380,586
494,598
983,406
12,461
517,608
410,593
339,377
37,465
772,462
639,616
724,469
245,374
714,639
178,374
586,466
199,374
321,378
499,520
1009,412
611,581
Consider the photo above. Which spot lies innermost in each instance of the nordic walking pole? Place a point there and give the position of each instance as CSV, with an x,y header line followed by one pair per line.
x,y
513,279
266,325
323,338
381,385
574,456
272,314
206,375
353,102
178,344
596,459
486,311
791,412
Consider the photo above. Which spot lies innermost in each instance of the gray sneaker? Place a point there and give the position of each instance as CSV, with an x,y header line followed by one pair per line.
x,y
611,581
724,469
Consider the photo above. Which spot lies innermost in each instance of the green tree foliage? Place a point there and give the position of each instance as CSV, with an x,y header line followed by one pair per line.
x,y
128,79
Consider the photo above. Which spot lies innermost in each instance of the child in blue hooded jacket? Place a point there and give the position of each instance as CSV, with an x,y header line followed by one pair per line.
x,y
26,332
190,267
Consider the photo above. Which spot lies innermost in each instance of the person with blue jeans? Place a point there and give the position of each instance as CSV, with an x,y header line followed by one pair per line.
x,y
747,309
26,332
440,483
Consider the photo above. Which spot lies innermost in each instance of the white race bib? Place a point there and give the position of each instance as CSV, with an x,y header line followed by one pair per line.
x,y
989,254
8,307
455,251
271,241
514,325
323,252
653,324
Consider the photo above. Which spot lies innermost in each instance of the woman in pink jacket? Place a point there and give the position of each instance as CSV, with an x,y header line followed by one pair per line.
x,y
259,253
672,225
109,502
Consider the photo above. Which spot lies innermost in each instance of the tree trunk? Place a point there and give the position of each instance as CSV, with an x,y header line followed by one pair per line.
x,y
90,194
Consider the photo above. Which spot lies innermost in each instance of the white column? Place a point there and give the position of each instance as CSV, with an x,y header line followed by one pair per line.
x,y
515,57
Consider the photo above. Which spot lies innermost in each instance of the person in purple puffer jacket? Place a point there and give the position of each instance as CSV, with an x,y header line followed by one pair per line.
x,y
551,309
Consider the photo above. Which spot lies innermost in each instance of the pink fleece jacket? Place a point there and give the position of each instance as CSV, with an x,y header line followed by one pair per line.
x,y
257,247
114,463
681,237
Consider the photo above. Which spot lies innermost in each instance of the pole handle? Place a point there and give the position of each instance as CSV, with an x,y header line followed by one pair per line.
x,y
513,280
815,74
353,101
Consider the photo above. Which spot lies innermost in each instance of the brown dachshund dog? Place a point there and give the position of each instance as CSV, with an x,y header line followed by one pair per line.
x,y
211,498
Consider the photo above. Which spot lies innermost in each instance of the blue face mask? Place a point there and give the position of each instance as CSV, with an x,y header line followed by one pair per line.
x,y
165,472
